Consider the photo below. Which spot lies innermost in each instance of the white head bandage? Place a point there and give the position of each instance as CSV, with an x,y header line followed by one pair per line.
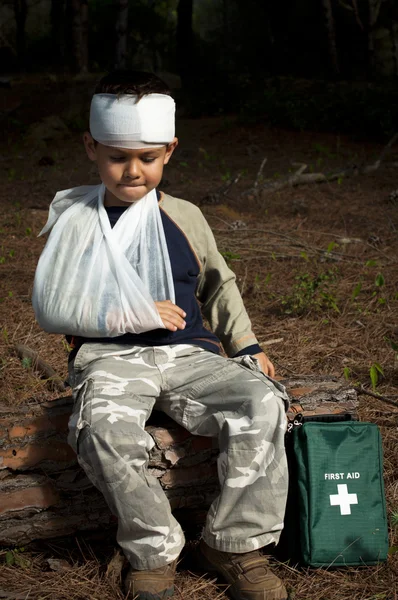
x,y
122,122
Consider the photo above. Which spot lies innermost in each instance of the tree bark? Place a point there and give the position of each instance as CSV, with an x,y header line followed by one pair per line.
x,y
44,493
78,10
373,15
84,36
121,34
184,39
57,16
21,12
394,41
331,33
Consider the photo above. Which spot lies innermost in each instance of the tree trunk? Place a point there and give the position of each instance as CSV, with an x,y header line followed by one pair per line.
x,y
84,36
331,33
373,15
184,39
44,493
21,12
57,17
394,41
121,34
78,10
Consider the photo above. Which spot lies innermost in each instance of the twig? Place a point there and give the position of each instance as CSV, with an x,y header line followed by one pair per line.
x,y
301,178
328,255
222,221
242,289
361,390
40,367
215,197
271,342
301,168
376,164
231,183
284,367
357,17
259,173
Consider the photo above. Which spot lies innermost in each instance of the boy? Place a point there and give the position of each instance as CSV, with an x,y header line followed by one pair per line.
x,y
144,341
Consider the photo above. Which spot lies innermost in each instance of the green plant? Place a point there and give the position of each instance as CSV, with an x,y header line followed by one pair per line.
x,y
331,247
379,281
259,283
205,154
229,256
66,346
346,373
394,523
304,256
226,174
356,290
325,150
26,363
11,174
13,557
267,279
311,292
394,518
374,372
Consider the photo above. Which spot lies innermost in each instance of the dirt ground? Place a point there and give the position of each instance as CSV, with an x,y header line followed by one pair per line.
x,y
316,265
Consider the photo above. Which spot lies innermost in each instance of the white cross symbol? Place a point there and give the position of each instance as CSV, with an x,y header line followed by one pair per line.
x,y
343,499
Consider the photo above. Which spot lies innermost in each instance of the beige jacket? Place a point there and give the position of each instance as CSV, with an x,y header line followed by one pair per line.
x,y
220,299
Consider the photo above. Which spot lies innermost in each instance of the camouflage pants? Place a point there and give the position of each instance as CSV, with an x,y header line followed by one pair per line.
x,y
115,389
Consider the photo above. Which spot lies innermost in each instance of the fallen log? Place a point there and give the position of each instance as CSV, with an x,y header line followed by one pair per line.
x,y
40,368
299,177
44,493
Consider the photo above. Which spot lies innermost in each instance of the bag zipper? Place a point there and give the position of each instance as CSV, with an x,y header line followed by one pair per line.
x,y
299,419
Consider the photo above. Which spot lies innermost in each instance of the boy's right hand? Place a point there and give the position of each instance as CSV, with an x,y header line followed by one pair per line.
x,y
171,315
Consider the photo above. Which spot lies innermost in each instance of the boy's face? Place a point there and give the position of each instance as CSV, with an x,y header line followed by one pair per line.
x,y
128,175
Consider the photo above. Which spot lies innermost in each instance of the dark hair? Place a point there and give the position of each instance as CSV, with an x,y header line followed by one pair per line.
x,y
137,83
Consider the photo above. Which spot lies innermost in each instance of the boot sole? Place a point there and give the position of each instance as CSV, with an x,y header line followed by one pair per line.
x,y
168,593
205,565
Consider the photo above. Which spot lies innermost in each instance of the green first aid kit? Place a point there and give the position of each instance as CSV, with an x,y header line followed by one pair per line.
x,y
338,494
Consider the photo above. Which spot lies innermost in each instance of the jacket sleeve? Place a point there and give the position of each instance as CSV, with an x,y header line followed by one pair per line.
x,y
222,304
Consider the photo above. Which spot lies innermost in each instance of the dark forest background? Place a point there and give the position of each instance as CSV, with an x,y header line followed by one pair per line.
x,y
330,64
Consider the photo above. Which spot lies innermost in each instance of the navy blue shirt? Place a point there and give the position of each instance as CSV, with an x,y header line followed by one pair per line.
x,y
185,270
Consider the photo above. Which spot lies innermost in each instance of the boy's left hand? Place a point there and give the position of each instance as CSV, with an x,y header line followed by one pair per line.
x,y
266,365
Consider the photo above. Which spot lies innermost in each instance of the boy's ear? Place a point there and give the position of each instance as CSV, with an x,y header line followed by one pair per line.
x,y
169,150
89,145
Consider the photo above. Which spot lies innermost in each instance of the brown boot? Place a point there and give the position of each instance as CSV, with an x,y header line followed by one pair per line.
x,y
153,584
248,574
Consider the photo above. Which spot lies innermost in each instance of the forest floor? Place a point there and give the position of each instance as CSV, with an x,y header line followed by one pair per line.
x,y
316,265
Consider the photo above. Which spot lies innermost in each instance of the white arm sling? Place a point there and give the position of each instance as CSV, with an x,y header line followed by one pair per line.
x,y
95,281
